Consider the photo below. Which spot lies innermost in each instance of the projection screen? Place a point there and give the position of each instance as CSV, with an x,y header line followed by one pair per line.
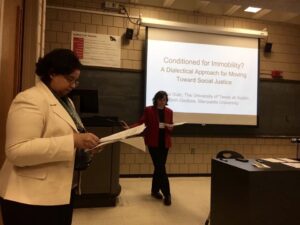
x,y
210,78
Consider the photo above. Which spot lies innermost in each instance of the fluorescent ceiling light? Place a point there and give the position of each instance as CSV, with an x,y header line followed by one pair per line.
x,y
252,9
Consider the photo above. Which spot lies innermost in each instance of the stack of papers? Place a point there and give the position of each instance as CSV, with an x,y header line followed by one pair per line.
x,y
260,165
281,160
128,137
137,142
286,161
119,136
295,165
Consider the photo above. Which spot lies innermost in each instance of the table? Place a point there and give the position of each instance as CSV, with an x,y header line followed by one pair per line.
x,y
242,194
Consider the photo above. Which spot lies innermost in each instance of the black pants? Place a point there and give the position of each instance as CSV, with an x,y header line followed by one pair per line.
x,y
15,213
160,180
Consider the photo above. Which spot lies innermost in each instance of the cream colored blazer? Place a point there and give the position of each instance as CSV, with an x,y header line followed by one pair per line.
x,y
40,152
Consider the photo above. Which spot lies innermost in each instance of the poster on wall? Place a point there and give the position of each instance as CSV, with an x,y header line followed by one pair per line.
x,y
97,49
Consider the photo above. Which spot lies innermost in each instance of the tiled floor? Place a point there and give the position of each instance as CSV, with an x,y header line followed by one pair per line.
x,y
190,205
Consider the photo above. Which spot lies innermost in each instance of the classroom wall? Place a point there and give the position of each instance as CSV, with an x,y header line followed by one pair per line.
x,y
189,155
1,120
1,21
33,43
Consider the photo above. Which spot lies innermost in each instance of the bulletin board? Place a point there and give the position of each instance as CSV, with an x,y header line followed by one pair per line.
x,y
97,49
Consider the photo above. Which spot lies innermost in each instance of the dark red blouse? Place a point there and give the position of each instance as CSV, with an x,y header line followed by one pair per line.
x,y
151,119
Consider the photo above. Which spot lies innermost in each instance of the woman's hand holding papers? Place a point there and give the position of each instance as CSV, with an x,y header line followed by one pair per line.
x,y
96,149
85,140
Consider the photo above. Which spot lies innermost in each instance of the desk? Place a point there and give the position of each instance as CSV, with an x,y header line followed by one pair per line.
x,y
242,194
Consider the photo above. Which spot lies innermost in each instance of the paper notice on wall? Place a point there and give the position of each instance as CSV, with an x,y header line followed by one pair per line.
x,y
136,142
97,49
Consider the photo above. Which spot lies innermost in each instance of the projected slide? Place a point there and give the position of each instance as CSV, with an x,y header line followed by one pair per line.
x,y
212,81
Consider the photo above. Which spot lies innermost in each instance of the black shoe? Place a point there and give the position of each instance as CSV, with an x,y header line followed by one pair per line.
x,y
156,195
167,200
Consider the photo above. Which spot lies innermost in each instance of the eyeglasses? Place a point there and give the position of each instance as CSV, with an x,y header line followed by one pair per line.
x,y
71,80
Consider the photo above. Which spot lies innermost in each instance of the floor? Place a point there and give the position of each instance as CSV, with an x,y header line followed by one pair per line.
x,y
190,204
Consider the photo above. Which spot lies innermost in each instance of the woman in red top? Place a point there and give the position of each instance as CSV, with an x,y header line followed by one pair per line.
x,y
157,135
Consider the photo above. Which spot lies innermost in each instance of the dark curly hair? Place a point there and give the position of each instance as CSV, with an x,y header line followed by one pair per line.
x,y
58,61
159,95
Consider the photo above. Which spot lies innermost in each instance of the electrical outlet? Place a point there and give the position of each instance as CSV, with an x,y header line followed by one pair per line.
x,y
111,5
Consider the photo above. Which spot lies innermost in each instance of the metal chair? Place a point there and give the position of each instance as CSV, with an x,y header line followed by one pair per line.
x,y
225,154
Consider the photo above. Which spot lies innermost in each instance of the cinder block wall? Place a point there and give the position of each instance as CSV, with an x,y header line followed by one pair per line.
x,y
189,155
193,155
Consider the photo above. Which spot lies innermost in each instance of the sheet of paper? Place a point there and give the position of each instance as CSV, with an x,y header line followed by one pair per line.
x,y
163,125
273,160
99,147
178,124
137,142
287,160
260,165
119,136
97,49
124,134
295,165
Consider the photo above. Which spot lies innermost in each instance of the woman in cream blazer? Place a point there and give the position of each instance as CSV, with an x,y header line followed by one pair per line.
x,y
41,139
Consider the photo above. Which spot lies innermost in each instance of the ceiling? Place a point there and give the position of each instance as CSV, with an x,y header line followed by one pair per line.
x,y
286,11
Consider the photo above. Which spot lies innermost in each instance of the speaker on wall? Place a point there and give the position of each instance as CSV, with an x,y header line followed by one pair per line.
x,y
268,47
129,33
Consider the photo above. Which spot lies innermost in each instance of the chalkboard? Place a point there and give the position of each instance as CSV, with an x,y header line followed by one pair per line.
x,y
121,95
